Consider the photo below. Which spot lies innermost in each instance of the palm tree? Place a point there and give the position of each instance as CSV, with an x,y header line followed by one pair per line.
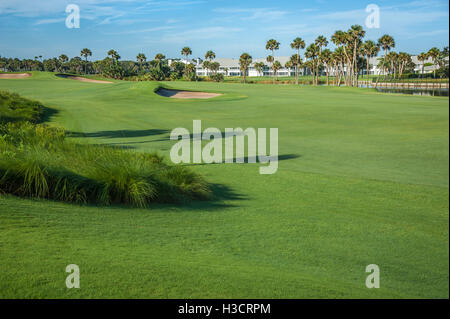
x,y
326,57
289,65
273,45
206,66
340,39
422,57
114,55
370,49
355,34
312,52
86,53
186,51
297,44
387,43
339,60
270,60
214,66
63,59
158,58
321,41
141,58
433,54
259,66
189,71
295,62
245,60
384,64
276,67
210,55
392,59
403,59
441,61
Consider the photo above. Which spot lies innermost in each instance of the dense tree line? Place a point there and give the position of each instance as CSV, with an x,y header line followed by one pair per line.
x,y
347,62
351,58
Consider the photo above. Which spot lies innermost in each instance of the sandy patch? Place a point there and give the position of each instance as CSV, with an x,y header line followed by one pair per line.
x,y
177,94
14,75
79,78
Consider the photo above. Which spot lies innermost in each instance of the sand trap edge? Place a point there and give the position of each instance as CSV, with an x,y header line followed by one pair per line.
x,y
180,94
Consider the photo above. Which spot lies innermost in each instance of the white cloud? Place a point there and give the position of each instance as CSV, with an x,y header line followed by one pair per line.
x,y
147,30
199,34
49,21
252,13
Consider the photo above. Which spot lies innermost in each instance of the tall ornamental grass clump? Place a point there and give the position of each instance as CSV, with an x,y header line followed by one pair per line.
x,y
14,108
37,161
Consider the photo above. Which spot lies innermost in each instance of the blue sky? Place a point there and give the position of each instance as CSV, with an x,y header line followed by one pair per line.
x,y
31,28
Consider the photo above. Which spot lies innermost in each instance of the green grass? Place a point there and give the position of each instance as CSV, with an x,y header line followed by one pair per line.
x,y
362,179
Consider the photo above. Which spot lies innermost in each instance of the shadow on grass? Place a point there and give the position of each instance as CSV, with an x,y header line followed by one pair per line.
x,y
47,115
221,197
119,133
244,160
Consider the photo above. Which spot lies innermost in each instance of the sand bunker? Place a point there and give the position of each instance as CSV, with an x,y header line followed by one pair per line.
x,y
79,78
177,94
14,75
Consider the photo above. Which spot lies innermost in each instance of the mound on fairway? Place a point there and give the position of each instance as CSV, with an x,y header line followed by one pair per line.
x,y
177,94
79,78
14,75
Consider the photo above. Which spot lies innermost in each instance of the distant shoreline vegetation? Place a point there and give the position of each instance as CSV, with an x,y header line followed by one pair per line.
x,y
38,161
348,64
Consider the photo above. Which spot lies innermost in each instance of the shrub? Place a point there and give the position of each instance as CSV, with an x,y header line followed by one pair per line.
x,y
155,74
38,161
191,76
217,77
14,108
175,76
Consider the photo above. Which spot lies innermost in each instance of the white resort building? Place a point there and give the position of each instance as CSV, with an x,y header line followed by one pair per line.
x,y
230,67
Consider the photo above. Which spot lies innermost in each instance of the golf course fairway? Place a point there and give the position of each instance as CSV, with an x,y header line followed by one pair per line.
x,y
363,179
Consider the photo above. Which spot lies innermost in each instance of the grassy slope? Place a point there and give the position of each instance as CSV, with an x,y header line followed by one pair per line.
x,y
364,180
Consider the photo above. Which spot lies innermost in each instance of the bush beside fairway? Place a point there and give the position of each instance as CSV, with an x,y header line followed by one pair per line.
x,y
37,161
362,179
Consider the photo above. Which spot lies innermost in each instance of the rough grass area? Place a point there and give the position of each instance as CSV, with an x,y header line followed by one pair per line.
x,y
14,108
37,161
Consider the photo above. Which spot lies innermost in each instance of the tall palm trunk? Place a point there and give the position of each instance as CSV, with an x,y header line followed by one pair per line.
x,y
296,66
273,70
367,70
335,74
